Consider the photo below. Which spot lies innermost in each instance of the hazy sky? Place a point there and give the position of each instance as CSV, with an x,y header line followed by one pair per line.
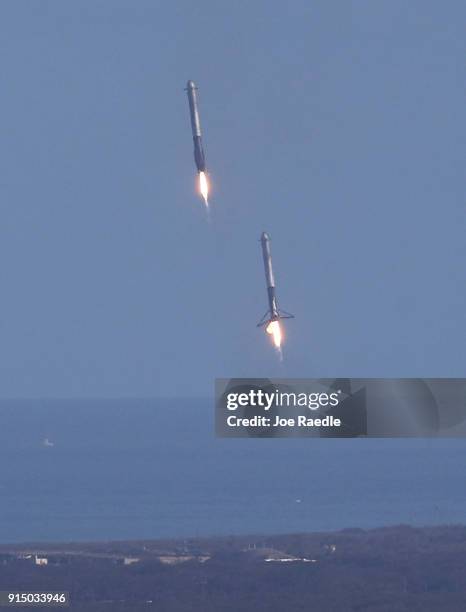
x,y
336,126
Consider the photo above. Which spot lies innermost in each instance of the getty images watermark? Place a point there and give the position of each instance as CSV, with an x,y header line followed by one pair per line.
x,y
266,408
265,400
258,398
340,407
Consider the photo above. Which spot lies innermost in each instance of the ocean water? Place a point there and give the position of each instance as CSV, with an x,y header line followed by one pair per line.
x,y
131,469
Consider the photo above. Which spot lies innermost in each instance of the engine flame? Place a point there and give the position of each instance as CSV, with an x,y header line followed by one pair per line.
x,y
204,187
274,329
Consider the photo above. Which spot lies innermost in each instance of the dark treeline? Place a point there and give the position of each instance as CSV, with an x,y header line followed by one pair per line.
x,y
383,570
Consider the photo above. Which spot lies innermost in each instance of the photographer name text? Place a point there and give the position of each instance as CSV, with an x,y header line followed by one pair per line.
x,y
278,421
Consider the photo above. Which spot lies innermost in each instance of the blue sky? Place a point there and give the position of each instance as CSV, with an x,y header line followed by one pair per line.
x,y
337,127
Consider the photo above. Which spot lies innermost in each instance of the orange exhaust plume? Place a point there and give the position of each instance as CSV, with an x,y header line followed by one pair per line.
x,y
274,329
204,187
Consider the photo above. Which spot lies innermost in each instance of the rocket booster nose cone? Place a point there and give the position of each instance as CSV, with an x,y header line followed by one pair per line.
x,y
190,85
265,236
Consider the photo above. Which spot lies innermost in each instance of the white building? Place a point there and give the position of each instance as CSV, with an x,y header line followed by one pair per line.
x,y
41,560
